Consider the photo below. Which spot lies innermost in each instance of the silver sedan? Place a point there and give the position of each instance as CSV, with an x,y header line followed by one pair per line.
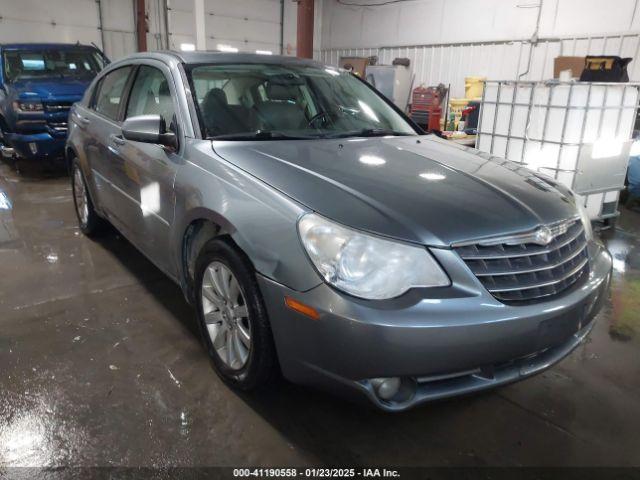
x,y
323,236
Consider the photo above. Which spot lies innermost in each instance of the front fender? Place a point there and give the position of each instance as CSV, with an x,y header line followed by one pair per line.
x,y
260,220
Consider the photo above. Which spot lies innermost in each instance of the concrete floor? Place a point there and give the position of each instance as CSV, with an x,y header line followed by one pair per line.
x,y
101,365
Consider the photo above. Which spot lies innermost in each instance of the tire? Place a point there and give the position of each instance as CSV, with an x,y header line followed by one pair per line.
x,y
224,326
9,161
88,220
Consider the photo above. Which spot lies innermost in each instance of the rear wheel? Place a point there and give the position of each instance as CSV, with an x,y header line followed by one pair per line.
x,y
232,317
88,220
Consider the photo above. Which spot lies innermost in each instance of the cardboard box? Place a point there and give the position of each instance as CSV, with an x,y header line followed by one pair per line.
x,y
575,64
357,64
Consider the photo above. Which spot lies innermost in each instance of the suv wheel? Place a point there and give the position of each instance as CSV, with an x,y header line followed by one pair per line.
x,y
232,317
88,219
11,161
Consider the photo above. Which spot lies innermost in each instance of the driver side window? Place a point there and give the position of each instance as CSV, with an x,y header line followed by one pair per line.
x,y
151,95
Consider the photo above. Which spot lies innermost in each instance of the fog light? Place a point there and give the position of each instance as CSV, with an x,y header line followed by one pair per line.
x,y
386,388
33,146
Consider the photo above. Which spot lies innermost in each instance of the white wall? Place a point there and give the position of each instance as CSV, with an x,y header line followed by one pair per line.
x,y
447,40
423,22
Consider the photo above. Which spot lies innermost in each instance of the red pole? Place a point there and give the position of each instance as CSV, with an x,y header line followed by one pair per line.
x,y
305,28
141,25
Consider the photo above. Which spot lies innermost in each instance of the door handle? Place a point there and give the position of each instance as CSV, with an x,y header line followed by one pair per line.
x,y
117,139
83,120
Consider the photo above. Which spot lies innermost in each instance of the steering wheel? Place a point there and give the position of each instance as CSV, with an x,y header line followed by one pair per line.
x,y
317,116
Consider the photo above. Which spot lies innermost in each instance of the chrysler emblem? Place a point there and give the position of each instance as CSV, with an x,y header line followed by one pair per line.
x,y
543,236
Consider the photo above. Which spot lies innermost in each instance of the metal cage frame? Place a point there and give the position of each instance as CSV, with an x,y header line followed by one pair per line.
x,y
562,143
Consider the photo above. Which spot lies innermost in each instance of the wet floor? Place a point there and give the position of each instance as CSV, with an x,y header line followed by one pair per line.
x,y
100,365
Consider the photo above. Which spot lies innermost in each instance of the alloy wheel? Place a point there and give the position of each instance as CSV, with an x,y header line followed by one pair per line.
x,y
226,315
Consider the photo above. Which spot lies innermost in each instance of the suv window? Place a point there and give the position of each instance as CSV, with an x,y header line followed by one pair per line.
x,y
52,63
150,95
110,92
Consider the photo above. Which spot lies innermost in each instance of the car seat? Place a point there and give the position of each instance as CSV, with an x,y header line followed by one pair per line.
x,y
220,117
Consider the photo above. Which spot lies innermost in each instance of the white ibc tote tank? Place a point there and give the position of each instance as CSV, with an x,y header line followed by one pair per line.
x,y
577,132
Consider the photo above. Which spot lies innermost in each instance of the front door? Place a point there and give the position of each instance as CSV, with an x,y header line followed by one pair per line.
x,y
147,171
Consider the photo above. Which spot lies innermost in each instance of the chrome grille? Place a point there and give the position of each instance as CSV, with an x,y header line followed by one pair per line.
x,y
60,127
518,270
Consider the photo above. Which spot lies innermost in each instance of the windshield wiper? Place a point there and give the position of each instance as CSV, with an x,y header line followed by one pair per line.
x,y
260,135
371,132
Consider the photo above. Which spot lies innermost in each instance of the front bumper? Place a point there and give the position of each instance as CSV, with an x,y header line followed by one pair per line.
x,y
441,342
33,146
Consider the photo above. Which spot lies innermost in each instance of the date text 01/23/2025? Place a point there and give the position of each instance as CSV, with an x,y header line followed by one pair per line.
x,y
315,472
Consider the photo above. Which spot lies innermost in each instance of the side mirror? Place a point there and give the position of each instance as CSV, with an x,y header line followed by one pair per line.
x,y
149,129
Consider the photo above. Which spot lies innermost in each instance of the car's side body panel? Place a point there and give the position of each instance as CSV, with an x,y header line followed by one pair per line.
x,y
142,177
153,196
260,220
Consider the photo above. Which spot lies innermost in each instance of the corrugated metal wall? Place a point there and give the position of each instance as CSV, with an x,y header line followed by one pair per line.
x,y
501,60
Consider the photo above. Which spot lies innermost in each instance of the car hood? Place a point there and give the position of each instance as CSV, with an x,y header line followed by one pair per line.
x,y
50,88
418,189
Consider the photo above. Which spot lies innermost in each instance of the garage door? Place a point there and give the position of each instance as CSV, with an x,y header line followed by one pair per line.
x,y
70,21
247,25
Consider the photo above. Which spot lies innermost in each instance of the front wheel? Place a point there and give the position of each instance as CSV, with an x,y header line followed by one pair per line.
x,y
232,317
11,161
88,220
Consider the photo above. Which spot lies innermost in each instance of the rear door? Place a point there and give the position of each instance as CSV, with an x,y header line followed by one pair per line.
x,y
145,172
102,126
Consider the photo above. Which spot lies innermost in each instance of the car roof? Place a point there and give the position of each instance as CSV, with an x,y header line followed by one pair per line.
x,y
26,46
213,57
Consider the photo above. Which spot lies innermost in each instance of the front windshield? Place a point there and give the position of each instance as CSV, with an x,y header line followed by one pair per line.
x,y
249,101
47,63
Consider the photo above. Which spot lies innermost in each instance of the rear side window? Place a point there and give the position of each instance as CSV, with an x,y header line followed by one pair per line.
x,y
110,92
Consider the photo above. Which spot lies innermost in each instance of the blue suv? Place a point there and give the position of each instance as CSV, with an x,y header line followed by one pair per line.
x,y
38,85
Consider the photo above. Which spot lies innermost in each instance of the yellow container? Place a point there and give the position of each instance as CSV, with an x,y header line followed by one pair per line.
x,y
473,87
459,102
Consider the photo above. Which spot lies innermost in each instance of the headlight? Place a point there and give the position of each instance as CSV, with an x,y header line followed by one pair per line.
x,y
28,106
584,216
366,266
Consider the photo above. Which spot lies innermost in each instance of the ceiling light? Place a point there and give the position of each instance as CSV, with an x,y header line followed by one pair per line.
x,y
264,52
187,47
